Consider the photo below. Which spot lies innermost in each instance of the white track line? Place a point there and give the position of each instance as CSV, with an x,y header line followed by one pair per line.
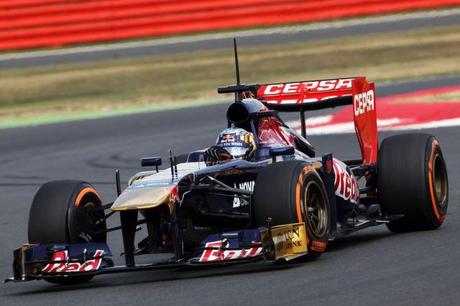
x,y
425,125
392,124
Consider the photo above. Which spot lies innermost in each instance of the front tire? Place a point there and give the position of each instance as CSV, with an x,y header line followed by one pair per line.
x,y
412,181
63,212
293,192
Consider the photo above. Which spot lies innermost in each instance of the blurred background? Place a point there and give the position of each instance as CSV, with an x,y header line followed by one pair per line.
x,y
90,86
65,59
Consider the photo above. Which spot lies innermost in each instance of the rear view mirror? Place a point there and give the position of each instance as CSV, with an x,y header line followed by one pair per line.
x,y
151,161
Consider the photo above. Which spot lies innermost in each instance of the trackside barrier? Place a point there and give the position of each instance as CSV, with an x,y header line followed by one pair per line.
x,y
26,24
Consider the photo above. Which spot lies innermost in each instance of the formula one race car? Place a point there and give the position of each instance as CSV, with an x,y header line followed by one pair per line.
x,y
259,194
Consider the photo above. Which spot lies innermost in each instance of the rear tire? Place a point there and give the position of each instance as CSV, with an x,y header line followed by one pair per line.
x,y
412,181
292,192
62,212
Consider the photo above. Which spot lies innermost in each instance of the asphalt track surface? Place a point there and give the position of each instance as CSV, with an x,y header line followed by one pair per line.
x,y
372,267
402,22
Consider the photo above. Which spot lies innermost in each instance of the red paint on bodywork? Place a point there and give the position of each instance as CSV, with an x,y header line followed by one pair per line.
x,y
365,119
271,131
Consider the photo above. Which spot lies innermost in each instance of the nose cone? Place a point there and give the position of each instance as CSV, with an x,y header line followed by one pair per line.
x,y
141,198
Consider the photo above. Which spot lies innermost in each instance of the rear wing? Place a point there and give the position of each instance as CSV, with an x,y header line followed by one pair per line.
x,y
313,95
306,95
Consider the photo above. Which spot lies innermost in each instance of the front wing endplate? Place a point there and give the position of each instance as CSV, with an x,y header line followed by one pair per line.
x,y
285,241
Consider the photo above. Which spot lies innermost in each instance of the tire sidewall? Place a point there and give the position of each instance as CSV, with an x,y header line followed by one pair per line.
x,y
434,211
308,174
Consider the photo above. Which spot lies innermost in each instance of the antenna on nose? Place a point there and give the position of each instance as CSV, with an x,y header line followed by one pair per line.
x,y
237,66
238,88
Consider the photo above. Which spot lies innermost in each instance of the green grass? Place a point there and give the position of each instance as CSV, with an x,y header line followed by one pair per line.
x,y
128,85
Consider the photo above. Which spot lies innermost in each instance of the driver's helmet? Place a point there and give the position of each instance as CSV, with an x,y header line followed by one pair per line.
x,y
238,142
232,143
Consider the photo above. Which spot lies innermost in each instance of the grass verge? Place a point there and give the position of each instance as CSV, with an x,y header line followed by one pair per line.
x,y
130,85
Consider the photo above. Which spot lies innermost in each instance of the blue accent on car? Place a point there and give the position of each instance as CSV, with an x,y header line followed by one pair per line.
x,y
235,239
44,252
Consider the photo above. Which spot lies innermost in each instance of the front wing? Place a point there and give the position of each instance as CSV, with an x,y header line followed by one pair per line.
x,y
45,261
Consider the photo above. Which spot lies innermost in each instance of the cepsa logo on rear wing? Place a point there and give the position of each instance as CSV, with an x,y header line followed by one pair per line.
x,y
319,94
305,92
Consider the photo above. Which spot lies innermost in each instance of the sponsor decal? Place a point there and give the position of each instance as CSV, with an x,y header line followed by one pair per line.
x,y
364,102
227,138
288,240
61,263
302,87
294,101
346,185
248,186
213,252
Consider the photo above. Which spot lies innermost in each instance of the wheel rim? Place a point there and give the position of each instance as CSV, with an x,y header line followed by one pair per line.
x,y
91,223
315,209
439,180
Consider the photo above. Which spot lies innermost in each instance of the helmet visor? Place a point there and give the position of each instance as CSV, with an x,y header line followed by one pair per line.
x,y
236,151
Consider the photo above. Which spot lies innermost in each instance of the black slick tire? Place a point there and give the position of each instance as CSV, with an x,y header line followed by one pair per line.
x,y
62,212
412,181
281,193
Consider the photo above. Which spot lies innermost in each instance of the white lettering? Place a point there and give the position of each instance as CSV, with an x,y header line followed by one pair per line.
x,y
310,85
364,102
273,89
248,186
344,84
327,85
212,253
291,88
346,185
